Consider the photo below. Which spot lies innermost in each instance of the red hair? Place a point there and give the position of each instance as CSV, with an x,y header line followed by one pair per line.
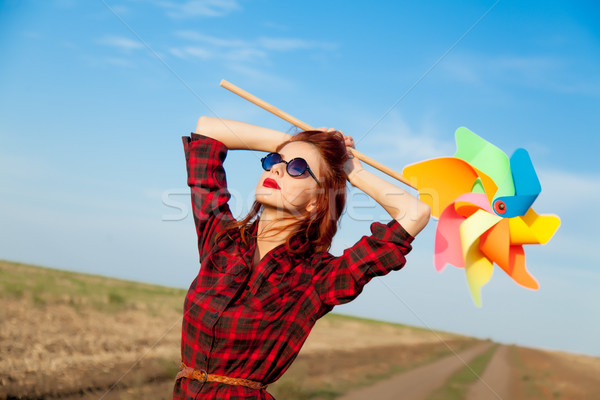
x,y
314,228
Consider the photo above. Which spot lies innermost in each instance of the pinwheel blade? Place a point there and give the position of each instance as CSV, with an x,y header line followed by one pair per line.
x,y
479,271
478,267
448,248
440,181
526,187
532,228
495,244
485,157
518,271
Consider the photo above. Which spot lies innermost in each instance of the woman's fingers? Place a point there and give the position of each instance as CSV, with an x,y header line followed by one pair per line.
x,y
349,141
325,129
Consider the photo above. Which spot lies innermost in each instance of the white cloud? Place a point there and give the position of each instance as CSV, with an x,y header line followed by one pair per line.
x,y
473,68
193,51
259,77
212,40
395,140
568,192
246,55
287,44
235,49
200,8
205,54
121,10
121,43
118,62
546,72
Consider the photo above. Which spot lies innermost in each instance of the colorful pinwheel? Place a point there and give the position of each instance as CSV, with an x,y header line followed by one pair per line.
x,y
483,201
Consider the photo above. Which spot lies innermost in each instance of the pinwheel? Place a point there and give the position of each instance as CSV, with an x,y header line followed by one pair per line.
x,y
482,200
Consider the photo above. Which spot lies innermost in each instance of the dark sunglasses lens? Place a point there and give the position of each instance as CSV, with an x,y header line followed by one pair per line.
x,y
297,167
270,160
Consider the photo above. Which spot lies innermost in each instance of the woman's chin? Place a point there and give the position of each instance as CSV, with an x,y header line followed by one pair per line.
x,y
275,210
264,197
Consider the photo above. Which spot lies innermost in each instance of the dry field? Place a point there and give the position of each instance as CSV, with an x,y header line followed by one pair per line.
x,y
73,336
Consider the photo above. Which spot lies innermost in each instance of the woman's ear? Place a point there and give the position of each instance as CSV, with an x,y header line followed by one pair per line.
x,y
311,206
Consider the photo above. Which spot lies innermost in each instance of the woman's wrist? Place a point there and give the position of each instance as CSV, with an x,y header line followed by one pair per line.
x,y
353,176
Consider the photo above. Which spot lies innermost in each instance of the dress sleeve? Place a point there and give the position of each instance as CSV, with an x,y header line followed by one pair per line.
x,y
206,178
341,279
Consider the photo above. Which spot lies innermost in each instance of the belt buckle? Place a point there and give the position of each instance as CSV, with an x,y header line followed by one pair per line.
x,y
203,371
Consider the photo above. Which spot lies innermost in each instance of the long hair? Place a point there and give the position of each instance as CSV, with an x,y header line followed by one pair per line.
x,y
315,228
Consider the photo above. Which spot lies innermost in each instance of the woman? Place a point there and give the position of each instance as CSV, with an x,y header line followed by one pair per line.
x,y
265,280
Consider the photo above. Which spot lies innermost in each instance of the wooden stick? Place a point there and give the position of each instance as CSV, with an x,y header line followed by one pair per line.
x,y
304,126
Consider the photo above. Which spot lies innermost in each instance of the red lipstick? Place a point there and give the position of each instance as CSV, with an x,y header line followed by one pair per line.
x,y
270,183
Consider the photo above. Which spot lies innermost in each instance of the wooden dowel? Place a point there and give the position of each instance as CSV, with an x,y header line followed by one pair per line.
x,y
304,126
263,104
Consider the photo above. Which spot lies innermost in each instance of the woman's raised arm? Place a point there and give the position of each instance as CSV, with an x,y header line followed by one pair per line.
x,y
405,208
238,135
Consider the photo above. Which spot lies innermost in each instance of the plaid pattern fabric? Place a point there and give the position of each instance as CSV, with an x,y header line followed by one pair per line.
x,y
254,330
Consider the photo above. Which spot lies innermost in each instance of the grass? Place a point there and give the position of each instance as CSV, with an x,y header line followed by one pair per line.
x,y
374,322
534,383
457,385
43,286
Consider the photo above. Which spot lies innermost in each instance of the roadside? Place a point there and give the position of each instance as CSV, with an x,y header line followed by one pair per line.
x,y
417,383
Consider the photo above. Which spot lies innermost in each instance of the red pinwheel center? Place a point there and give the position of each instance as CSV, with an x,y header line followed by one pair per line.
x,y
499,207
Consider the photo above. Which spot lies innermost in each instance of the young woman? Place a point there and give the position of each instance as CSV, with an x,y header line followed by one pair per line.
x,y
265,280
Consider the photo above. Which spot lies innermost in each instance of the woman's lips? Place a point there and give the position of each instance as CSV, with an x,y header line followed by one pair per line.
x,y
270,183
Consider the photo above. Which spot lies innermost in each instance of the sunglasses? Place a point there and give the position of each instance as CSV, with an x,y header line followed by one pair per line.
x,y
295,167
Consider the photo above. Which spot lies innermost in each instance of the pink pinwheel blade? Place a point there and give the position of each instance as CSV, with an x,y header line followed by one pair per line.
x,y
448,249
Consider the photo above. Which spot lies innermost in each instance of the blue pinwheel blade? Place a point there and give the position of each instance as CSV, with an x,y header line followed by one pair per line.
x,y
527,187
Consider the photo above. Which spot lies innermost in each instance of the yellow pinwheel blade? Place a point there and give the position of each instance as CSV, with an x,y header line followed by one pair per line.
x,y
475,226
532,228
477,266
479,271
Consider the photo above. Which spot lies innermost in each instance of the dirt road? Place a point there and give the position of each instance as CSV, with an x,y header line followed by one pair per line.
x,y
495,380
416,384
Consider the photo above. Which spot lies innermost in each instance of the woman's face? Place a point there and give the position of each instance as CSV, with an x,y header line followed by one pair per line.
x,y
292,195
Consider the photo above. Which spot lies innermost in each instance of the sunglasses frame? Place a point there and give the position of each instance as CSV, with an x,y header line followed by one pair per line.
x,y
287,164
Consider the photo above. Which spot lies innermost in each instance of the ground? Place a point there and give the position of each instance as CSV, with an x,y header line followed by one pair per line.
x,y
73,336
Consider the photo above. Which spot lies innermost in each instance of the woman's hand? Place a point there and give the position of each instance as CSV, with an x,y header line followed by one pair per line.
x,y
352,166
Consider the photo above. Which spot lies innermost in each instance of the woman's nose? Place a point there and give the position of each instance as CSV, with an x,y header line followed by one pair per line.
x,y
278,168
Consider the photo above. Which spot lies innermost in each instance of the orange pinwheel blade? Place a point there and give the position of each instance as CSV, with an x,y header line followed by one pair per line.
x,y
495,244
518,271
440,181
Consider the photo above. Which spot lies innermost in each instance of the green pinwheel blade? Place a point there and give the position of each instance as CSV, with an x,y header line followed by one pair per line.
x,y
487,158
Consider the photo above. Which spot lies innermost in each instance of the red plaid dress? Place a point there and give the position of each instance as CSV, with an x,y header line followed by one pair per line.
x,y
254,330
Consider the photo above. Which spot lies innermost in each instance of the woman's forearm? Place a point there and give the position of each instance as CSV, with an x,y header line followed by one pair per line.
x,y
240,135
405,208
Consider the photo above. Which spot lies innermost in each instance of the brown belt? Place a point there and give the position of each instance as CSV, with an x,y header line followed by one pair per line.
x,y
203,376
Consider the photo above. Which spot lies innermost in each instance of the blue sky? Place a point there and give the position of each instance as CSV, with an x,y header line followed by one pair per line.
x,y
94,97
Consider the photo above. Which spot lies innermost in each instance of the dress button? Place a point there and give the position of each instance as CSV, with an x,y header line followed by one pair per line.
x,y
247,287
